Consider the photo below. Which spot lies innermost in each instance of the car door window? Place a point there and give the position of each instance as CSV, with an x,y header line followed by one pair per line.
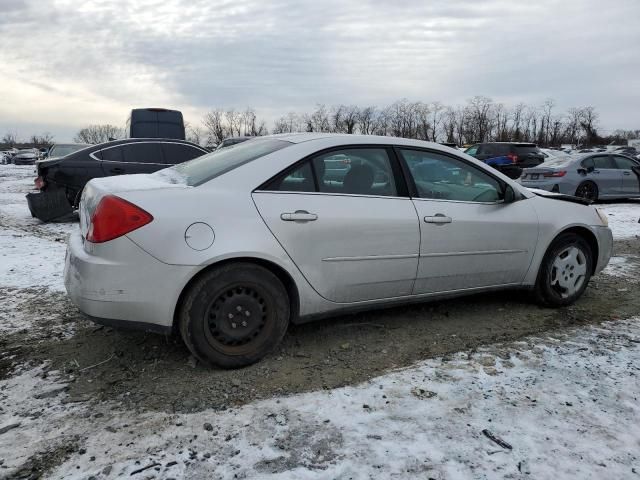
x,y
145,152
603,162
357,171
588,164
442,177
624,163
113,154
174,153
472,150
298,180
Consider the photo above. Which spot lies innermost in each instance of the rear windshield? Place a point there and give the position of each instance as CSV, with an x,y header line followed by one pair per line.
x,y
207,167
526,149
63,150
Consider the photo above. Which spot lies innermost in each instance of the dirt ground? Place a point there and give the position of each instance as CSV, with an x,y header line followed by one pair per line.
x,y
148,372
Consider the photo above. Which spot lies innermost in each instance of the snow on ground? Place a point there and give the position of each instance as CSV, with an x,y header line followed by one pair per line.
x,y
566,405
28,261
623,218
621,267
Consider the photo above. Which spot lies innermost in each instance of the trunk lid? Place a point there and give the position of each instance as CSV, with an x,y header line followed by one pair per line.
x,y
97,188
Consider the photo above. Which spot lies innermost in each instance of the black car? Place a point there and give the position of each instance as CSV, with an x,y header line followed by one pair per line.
x,y
524,155
61,180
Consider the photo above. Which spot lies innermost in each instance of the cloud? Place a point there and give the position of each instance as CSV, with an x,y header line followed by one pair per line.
x,y
97,59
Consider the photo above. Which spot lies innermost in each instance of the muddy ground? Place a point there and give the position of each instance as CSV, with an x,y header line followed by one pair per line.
x,y
151,372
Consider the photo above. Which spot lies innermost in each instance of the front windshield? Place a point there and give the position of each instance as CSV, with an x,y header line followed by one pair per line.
x,y
202,169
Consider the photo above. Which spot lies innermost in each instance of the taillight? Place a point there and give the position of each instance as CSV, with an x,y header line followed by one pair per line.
x,y
114,217
40,183
513,158
559,173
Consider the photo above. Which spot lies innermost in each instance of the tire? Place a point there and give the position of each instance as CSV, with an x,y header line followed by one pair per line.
x,y
588,190
565,271
234,315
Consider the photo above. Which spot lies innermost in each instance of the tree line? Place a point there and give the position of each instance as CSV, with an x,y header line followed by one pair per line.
x,y
479,120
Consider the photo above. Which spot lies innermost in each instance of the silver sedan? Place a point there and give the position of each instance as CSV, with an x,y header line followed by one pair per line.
x,y
593,176
231,247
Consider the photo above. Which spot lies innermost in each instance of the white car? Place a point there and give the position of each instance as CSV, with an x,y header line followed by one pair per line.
x,y
231,247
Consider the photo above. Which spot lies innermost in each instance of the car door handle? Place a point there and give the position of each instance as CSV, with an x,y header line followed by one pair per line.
x,y
117,170
299,216
627,173
438,218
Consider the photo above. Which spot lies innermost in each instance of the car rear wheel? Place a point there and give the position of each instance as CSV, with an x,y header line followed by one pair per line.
x,y
565,271
234,315
588,190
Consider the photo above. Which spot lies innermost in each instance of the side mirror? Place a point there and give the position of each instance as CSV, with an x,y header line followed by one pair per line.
x,y
509,194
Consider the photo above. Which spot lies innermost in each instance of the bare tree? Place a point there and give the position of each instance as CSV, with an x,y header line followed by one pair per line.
x,y
95,134
367,120
9,139
214,126
588,123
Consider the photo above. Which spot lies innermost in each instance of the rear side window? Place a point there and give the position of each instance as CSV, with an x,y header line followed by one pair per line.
x,y
355,171
175,153
603,161
144,152
207,167
588,163
113,154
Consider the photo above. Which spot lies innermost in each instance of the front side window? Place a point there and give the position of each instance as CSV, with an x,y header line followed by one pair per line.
x,y
442,177
624,163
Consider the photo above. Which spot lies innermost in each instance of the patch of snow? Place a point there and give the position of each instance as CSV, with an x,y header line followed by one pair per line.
x,y
566,404
28,261
622,267
623,219
140,181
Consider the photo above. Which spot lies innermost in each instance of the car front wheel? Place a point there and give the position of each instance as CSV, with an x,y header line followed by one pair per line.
x,y
234,315
565,271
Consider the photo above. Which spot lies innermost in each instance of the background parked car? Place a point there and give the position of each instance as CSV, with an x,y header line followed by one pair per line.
x,y
61,180
524,155
26,157
593,176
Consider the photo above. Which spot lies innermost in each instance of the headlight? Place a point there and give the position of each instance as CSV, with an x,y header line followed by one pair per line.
x,y
603,217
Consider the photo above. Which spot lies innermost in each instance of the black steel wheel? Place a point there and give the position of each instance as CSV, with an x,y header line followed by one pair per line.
x,y
234,315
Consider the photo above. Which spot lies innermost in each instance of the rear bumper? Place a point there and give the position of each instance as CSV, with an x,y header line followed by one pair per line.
x,y
119,284
550,186
49,204
605,246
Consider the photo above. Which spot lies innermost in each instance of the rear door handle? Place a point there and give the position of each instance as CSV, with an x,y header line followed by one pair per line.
x,y
299,216
627,173
438,218
117,170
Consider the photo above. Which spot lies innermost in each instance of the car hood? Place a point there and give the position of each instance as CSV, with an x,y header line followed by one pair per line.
x,y
560,196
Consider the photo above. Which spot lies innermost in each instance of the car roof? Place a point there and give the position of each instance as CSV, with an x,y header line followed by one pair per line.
x,y
136,140
348,139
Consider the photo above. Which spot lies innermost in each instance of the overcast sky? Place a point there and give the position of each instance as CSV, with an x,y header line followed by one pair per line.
x,y
68,63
